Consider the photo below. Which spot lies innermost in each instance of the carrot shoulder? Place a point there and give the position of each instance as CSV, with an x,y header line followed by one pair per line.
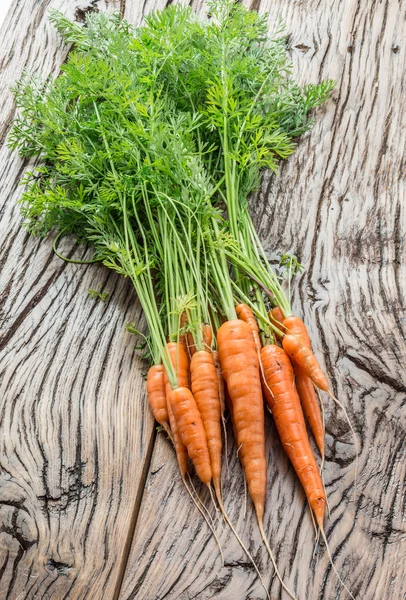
x,y
276,317
180,361
297,344
302,356
245,314
207,333
284,403
295,326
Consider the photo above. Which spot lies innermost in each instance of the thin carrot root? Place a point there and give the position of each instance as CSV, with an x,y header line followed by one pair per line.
x,y
355,440
316,529
325,494
271,556
332,563
196,503
245,497
201,503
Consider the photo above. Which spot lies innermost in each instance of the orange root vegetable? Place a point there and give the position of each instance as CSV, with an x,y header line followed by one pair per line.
x,y
180,362
284,403
211,403
205,390
156,394
228,401
207,336
222,391
307,394
302,356
239,362
295,326
277,314
220,381
276,317
191,429
245,314
180,448
311,406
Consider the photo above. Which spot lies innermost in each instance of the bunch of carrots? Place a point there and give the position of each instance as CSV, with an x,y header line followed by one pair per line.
x,y
150,142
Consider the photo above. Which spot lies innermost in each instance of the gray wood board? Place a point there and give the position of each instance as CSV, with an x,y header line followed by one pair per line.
x,y
77,437
339,204
75,430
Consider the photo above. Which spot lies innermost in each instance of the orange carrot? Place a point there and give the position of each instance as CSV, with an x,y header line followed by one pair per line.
x,y
277,314
295,326
220,381
156,394
311,406
304,384
302,356
284,403
222,392
180,362
205,390
245,314
207,336
239,361
229,405
276,317
180,448
191,429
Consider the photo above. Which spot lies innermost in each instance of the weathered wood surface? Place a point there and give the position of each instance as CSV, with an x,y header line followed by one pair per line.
x,y
74,434
76,437
340,204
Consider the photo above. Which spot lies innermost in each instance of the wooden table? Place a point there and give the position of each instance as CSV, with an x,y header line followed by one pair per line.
x,y
91,504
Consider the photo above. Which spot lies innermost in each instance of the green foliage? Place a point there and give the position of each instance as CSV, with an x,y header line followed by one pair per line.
x,y
290,264
144,136
103,296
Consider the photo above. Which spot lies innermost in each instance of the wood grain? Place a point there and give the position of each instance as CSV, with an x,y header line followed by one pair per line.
x,y
75,438
339,203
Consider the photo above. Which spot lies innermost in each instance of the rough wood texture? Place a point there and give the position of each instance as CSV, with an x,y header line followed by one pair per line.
x,y
74,433
76,436
343,194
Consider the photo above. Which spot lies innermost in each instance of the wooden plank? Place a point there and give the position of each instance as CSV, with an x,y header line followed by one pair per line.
x,y
74,434
339,203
